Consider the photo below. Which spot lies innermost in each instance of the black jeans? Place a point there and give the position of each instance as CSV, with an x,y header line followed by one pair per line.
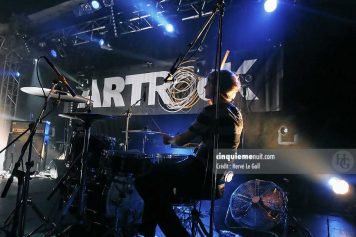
x,y
166,184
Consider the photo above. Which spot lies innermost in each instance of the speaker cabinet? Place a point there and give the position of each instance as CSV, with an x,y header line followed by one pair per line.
x,y
38,154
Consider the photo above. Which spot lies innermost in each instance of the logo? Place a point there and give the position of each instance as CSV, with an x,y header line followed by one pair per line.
x,y
343,161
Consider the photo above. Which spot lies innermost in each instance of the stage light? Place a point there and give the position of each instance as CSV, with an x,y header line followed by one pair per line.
x,y
169,28
270,5
17,74
339,186
95,5
53,53
228,176
283,130
101,42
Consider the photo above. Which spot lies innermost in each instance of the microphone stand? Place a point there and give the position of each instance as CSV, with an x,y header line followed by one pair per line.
x,y
220,6
22,200
180,58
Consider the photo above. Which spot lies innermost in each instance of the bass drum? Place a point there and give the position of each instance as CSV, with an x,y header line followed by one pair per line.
x,y
123,205
123,201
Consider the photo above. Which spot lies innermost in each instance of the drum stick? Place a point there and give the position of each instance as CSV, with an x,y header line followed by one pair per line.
x,y
224,59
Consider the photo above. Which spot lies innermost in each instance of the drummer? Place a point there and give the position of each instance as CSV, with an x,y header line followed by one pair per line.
x,y
191,178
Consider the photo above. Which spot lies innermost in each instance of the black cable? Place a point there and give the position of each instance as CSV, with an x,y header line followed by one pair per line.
x,y
38,74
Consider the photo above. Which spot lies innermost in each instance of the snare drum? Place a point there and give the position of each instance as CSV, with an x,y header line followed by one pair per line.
x,y
169,158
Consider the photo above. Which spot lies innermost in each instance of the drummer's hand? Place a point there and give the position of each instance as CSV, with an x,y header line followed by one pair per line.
x,y
167,139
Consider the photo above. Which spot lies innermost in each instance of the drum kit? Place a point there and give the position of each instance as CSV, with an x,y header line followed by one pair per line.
x,y
98,185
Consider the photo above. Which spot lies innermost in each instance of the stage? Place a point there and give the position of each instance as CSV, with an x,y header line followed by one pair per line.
x,y
125,101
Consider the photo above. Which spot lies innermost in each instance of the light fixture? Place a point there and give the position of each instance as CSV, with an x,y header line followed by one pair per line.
x,y
339,186
283,130
286,137
53,53
228,176
169,28
95,5
101,42
270,5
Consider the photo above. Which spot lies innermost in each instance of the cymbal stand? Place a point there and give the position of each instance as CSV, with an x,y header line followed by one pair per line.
x,y
82,187
128,114
18,215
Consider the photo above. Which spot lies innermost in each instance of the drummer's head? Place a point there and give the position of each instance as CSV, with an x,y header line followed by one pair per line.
x,y
229,85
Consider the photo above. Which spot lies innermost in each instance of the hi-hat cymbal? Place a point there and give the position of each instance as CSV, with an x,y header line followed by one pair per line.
x,y
143,131
86,117
56,94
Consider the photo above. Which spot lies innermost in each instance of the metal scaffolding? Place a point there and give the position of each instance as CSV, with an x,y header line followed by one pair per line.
x,y
9,88
120,22
10,83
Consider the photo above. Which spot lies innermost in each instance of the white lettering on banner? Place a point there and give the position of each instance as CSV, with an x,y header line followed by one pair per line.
x,y
243,69
200,88
161,90
245,66
137,80
95,95
113,86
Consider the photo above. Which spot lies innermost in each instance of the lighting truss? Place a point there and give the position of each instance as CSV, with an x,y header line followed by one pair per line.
x,y
10,84
128,21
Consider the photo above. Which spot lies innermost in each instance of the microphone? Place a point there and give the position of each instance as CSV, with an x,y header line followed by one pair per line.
x,y
61,78
173,69
168,77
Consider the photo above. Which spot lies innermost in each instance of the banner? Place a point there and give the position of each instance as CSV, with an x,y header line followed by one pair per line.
x,y
260,77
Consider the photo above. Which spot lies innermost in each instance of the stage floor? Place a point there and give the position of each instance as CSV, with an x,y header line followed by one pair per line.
x,y
320,225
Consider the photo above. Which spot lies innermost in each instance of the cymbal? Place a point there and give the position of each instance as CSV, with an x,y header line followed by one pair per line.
x,y
86,117
56,94
143,131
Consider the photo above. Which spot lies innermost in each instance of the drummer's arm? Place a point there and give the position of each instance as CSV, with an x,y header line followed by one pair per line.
x,y
180,139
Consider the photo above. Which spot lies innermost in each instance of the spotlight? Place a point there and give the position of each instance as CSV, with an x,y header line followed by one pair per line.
x,y
53,53
95,5
270,5
169,28
283,130
286,137
101,42
339,186
228,176
17,74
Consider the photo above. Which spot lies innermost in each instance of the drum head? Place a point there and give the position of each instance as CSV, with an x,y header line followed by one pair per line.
x,y
123,201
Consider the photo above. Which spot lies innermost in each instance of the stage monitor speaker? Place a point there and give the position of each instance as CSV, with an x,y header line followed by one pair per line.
x,y
38,155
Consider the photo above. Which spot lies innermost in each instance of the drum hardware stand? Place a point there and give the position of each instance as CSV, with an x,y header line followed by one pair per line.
x,y
18,215
128,114
81,188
